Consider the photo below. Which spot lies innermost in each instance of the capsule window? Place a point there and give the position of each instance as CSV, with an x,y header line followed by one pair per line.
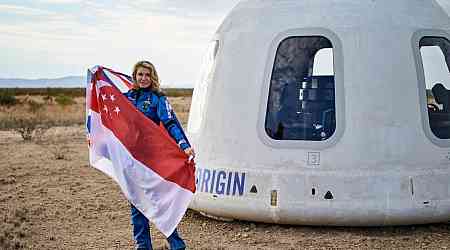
x,y
435,53
301,103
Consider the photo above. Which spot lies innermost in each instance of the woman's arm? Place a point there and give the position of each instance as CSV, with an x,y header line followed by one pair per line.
x,y
170,121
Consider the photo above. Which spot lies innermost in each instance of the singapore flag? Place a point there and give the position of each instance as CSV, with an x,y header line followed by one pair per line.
x,y
151,170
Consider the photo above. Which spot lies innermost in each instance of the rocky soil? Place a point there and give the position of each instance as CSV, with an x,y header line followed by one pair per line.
x,y
50,198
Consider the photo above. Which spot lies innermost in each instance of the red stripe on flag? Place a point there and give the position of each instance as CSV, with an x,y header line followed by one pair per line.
x,y
100,75
94,102
145,140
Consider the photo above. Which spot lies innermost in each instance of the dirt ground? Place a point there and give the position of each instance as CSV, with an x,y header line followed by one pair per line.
x,y
50,198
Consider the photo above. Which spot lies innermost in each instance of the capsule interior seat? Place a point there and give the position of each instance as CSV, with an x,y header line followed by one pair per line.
x,y
440,118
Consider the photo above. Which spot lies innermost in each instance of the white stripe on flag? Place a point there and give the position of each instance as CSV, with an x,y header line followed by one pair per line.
x,y
162,201
117,81
101,83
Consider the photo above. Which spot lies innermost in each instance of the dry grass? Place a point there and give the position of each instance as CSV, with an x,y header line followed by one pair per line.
x,y
47,112
35,116
40,112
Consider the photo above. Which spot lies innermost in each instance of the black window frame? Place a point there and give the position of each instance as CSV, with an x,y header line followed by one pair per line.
x,y
305,103
422,90
338,65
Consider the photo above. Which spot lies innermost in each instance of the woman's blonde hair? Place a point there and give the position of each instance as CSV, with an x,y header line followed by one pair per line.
x,y
153,75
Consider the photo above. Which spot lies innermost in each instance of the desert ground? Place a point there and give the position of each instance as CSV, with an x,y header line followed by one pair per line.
x,y
50,198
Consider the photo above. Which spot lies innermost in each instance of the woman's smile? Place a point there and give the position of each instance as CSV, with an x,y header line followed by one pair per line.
x,y
143,77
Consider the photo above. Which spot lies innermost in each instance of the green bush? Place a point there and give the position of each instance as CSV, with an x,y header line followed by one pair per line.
x,y
7,98
74,92
64,100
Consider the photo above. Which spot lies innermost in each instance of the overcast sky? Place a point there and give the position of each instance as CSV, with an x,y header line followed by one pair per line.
x,y
56,38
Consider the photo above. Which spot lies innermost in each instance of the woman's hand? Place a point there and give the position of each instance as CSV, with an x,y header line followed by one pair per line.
x,y
190,152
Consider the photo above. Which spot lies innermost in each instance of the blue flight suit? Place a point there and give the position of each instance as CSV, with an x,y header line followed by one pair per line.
x,y
157,108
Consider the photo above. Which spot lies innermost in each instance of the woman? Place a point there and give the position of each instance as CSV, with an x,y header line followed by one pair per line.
x,y
147,97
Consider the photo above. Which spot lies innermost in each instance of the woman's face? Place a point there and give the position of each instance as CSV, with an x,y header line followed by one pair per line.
x,y
143,77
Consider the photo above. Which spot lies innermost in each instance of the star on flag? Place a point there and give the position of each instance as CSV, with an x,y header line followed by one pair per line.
x,y
108,107
117,110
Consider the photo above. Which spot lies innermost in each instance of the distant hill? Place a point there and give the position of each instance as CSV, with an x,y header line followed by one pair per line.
x,y
63,82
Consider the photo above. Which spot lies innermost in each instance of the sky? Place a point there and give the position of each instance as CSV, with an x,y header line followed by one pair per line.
x,y
57,38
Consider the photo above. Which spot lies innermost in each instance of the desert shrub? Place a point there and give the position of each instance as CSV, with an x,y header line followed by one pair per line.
x,y
59,152
64,100
7,98
31,126
48,99
34,106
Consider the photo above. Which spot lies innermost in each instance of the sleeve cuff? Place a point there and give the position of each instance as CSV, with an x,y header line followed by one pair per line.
x,y
183,145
